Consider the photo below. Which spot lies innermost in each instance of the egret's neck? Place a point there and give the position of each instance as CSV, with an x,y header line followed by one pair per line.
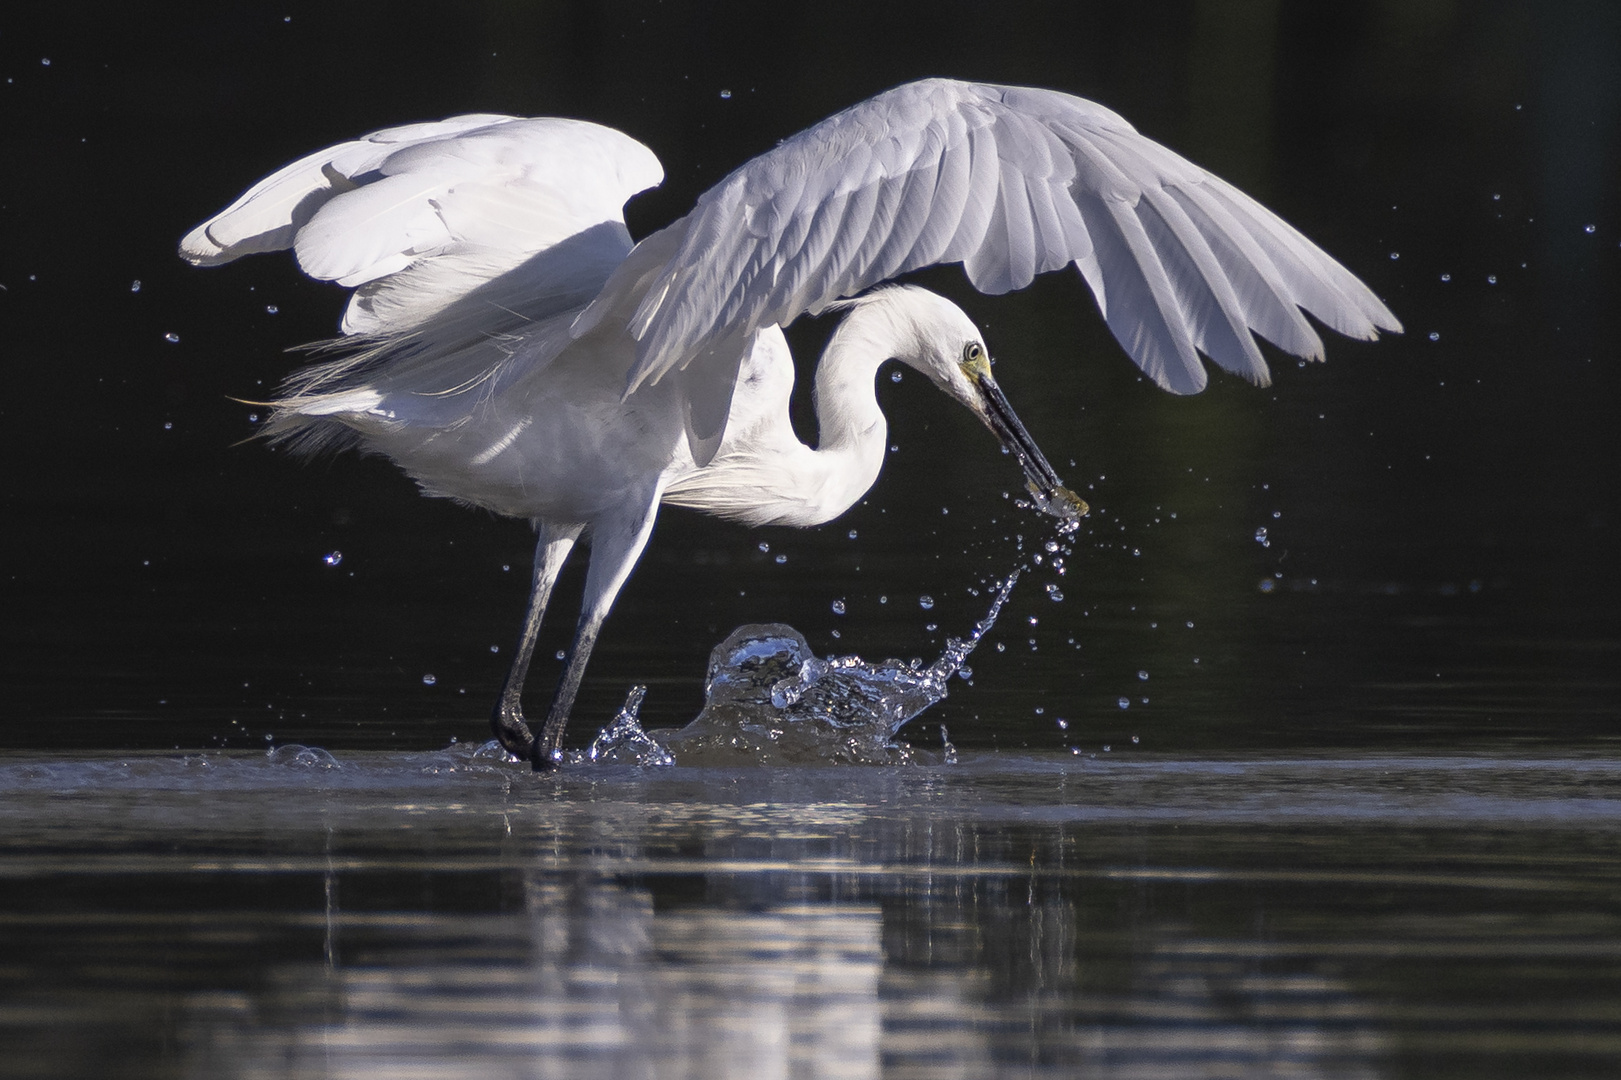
x,y
767,476
814,486
849,422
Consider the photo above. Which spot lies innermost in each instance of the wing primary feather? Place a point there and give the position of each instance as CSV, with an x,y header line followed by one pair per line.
x,y
1268,304
1325,288
1142,310
1221,330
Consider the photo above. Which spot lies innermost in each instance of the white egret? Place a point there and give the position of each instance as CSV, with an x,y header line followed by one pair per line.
x,y
512,349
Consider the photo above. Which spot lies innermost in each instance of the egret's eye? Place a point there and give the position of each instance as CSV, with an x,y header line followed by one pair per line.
x,y
972,353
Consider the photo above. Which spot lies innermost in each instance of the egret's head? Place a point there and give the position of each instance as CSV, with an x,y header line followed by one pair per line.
x,y
942,342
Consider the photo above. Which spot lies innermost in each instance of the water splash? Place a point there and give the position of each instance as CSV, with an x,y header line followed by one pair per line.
x,y
298,756
770,700
623,742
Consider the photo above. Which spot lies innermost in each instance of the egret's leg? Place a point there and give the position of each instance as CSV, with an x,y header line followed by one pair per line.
x,y
551,551
616,544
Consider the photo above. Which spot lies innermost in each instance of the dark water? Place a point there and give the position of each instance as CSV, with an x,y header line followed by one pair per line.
x,y
439,914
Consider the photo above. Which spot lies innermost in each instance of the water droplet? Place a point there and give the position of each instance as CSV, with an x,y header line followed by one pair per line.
x,y
1261,538
764,546
1496,197
1267,585
852,534
1190,624
895,376
1395,255
272,309
1434,336
1491,279
45,61
781,559
965,672
883,599
925,602
1106,748
429,679
1135,740
168,425
1063,725
932,627
838,607
1446,277
333,557
1590,229
1053,594
495,648
1143,675
726,95
1051,546
559,654
172,338
135,286
1124,703
253,418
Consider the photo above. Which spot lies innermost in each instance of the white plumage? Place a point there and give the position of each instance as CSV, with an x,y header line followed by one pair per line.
x,y
513,350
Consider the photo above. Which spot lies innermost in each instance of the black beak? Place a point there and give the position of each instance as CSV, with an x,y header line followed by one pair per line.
x,y
1041,479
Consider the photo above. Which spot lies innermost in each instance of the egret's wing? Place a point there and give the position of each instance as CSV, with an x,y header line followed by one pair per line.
x,y
414,218
1011,182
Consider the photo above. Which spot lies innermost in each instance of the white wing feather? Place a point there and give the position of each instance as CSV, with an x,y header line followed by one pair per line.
x,y
417,217
1011,182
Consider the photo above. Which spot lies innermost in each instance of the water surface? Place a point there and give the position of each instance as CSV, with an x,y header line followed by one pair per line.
x,y
450,914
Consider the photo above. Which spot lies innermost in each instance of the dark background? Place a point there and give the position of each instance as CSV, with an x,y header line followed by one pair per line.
x,y
1441,507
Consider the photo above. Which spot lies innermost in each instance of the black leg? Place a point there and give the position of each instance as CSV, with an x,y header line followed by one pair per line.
x,y
551,551
616,544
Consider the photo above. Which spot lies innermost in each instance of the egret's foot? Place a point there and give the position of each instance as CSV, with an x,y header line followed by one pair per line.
x,y
510,730
547,753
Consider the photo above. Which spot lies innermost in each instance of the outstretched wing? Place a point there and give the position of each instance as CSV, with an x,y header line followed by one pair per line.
x,y
416,217
1011,182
